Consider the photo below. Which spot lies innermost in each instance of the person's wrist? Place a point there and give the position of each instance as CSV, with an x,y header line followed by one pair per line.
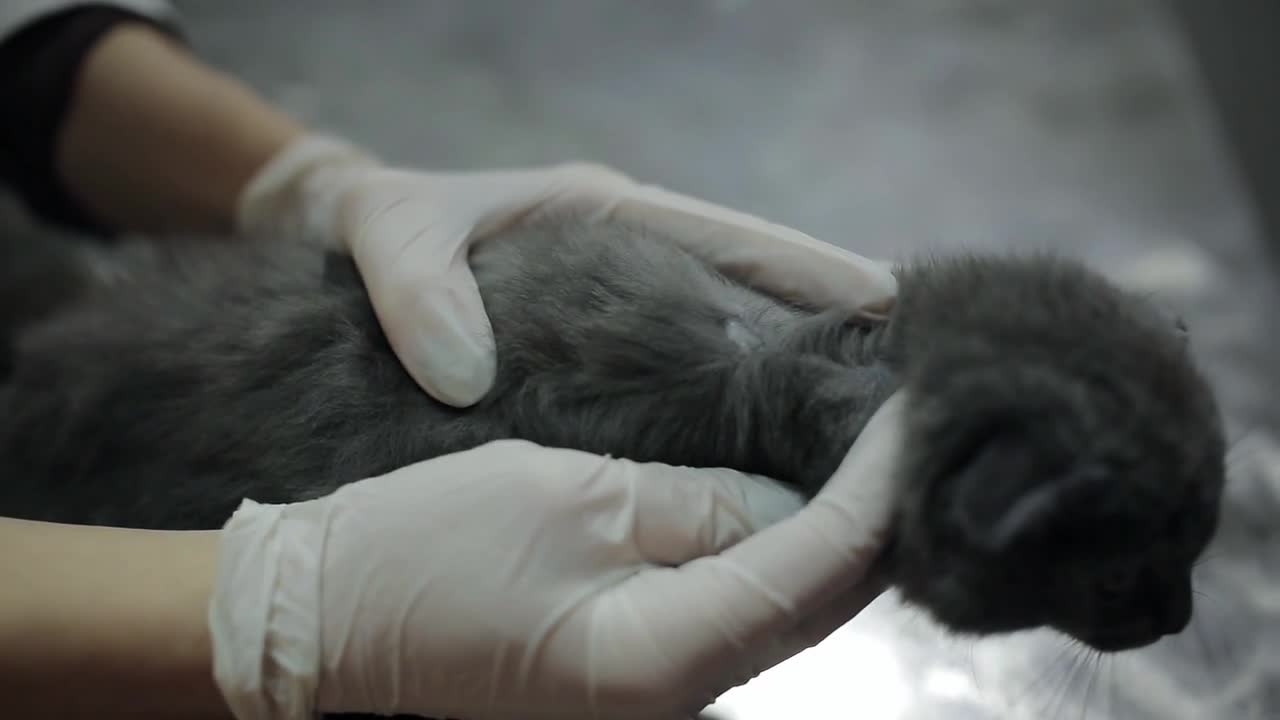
x,y
192,556
298,193
263,614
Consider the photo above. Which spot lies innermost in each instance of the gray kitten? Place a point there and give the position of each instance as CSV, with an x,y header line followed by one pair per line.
x,y
1065,456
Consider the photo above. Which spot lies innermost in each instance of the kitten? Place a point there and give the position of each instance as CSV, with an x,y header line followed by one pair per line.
x,y
1065,459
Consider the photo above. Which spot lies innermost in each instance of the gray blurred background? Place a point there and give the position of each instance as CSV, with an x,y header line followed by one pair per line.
x,y
890,127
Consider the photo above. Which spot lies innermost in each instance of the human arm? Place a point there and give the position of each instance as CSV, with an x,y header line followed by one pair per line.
x,y
152,138
106,622
509,581
125,128
156,140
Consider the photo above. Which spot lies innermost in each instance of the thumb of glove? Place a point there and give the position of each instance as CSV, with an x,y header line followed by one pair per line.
x,y
439,331
423,291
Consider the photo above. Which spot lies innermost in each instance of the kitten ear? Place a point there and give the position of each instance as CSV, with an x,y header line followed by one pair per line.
x,y
1005,497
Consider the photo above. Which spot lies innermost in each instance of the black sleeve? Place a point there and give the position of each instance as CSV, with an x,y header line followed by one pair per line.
x,y
39,67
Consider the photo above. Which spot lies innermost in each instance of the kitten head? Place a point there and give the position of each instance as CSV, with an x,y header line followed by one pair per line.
x,y
1067,457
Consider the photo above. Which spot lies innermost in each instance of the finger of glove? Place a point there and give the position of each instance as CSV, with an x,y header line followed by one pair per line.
x,y
771,651
665,515
413,264
748,661
777,259
832,540
816,626
410,234
675,514
767,583
572,188
481,202
446,344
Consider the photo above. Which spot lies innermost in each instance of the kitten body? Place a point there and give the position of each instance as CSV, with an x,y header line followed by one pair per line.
x,y
1064,456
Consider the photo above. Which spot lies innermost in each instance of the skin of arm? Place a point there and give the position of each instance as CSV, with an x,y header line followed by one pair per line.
x,y
109,622
101,622
155,140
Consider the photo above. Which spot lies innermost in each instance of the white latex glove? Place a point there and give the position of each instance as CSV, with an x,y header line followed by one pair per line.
x,y
409,233
514,581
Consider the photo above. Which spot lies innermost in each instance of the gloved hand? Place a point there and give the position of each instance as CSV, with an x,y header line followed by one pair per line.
x,y
409,233
514,581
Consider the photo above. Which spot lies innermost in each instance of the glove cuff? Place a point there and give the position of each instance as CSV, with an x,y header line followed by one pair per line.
x,y
295,196
264,614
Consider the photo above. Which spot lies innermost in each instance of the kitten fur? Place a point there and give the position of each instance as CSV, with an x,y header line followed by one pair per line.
x,y
1064,458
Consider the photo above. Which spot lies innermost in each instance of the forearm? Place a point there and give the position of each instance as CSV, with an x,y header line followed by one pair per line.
x,y
153,139
122,128
104,622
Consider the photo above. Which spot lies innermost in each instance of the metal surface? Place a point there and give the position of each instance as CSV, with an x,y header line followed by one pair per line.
x,y
890,127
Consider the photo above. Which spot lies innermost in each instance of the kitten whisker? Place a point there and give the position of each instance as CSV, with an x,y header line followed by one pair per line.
x,y
1063,696
1204,559
1205,647
1202,594
1244,434
973,667
1240,444
1062,656
1094,659
1112,684
1049,700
